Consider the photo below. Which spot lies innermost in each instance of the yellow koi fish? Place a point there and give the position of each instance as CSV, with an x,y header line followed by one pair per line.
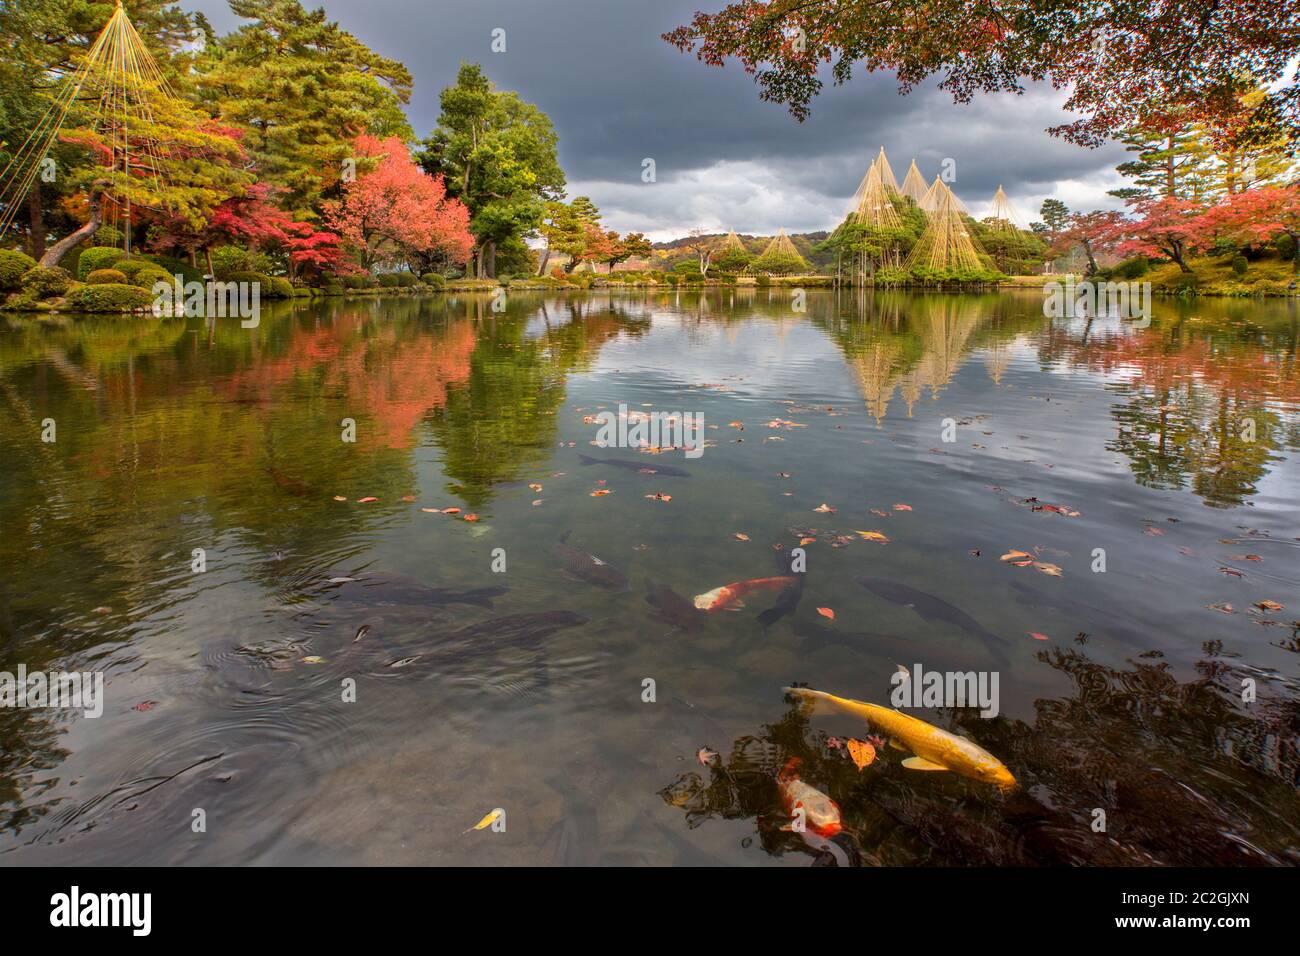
x,y
935,749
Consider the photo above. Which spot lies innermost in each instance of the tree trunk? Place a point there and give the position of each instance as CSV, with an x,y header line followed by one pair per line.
x,y
36,222
56,253
491,260
207,256
1092,263
546,257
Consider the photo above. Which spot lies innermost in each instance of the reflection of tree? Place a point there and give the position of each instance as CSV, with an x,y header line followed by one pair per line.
x,y
1197,408
501,420
1185,775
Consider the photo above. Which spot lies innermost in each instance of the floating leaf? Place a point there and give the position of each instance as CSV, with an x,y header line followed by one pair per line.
x,y
339,498
1269,605
366,500
408,498
879,514
432,511
1037,636
599,492
803,541
873,536
1019,558
861,752
471,517
824,508
1046,568
534,487
145,706
826,612
706,756
660,496
740,536
451,511
538,502
902,507
313,659
1223,608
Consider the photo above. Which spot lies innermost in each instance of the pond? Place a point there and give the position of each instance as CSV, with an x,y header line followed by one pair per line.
x,y
308,658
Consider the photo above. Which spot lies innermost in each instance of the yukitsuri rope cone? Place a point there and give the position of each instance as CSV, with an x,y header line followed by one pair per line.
x,y
872,204
120,76
946,244
914,184
1003,213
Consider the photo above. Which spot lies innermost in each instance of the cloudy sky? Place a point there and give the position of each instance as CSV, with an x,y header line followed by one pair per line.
x,y
619,94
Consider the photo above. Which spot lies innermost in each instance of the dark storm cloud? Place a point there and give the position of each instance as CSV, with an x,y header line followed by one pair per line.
x,y
618,94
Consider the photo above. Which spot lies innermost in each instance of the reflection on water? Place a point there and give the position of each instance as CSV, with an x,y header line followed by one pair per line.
x,y
330,561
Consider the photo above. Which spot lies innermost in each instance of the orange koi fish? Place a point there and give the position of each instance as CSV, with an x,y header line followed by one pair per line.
x,y
730,597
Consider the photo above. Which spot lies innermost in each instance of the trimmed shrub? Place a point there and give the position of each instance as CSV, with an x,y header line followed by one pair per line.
x,y
129,267
179,267
106,277
97,257
407,280
25,303
13,266
434,280
109,298
146,278
265,284
1132,268
358,282
281,288
1240,265
388,280
42,283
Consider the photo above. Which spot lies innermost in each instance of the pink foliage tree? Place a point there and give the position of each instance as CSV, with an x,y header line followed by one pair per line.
x,y
395,211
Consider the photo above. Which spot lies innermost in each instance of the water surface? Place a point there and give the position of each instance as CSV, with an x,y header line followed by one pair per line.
x,y
1169,449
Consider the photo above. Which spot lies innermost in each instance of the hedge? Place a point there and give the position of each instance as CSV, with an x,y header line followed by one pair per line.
x,y
106,277
108,298
147,278
434,280
97,257
13,266
43,283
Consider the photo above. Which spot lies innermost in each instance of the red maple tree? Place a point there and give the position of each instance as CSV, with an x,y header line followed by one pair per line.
x,y
395,210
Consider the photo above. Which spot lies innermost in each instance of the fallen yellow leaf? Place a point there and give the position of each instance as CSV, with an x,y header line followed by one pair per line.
x,y
861,752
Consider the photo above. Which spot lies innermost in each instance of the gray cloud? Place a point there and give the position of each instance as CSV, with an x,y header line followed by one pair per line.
x,y
617,94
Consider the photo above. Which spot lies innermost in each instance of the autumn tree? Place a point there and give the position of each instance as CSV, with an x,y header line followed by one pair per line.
x,y
396,209
1094,232
1123,63
1169,227
1258,216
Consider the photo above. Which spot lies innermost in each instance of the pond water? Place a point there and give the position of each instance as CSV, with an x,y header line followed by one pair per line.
x,y
1161,691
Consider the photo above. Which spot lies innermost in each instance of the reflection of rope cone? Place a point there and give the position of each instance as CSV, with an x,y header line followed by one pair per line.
x,y
875,373
997,360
